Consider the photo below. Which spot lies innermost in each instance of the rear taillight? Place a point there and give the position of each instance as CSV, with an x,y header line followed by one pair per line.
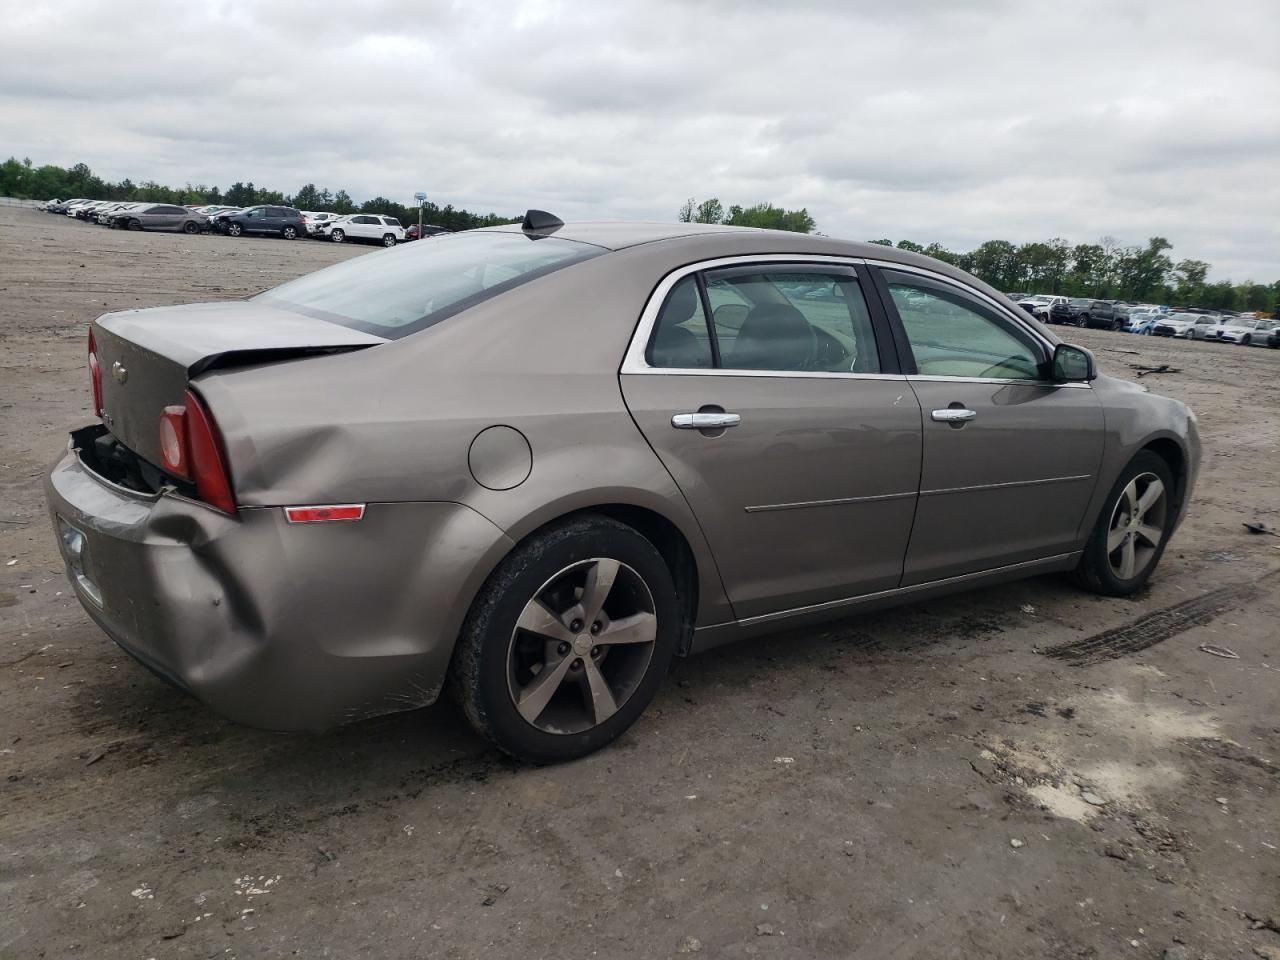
x,y
191,448
95,374
173,441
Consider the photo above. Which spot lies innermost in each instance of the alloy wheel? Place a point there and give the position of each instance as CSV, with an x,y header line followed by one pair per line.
x,y
1137,526
581,646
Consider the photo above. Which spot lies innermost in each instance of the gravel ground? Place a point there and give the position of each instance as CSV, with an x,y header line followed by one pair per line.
x,y
1024,771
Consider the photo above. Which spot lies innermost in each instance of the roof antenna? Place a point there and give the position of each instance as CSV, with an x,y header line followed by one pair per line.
x,y
540,220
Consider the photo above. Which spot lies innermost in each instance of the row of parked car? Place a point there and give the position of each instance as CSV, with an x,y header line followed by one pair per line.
x,y
263,219
1151,319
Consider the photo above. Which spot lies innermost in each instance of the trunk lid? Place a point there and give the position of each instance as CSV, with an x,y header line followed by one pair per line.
x,y
148,357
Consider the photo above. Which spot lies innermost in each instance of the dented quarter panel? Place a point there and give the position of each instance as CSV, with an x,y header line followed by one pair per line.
x,y
279,625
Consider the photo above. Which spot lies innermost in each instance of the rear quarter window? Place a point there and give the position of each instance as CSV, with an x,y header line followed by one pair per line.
x,y
407,288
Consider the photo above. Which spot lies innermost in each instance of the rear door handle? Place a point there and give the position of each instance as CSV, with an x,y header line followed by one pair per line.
x,y
705,421
954,415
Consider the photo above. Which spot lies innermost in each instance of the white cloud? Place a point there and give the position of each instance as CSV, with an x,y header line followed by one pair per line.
x,y
920,119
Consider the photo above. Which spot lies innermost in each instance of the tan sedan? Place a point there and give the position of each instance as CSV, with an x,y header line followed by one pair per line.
x,y
534,463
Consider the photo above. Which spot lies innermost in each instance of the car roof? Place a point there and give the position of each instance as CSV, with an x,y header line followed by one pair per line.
x,y
710,237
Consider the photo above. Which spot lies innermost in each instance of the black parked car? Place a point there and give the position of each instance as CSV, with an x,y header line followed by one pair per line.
x,y
1064,311
1102,314
282,221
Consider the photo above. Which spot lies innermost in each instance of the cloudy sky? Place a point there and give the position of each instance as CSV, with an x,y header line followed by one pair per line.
x,y
930,120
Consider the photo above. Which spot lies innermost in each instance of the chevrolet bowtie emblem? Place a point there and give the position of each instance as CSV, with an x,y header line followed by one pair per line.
x,y
119,372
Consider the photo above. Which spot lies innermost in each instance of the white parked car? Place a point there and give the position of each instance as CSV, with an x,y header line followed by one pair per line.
x,y
1039,304
316,220
1190,326
365,226
1246,331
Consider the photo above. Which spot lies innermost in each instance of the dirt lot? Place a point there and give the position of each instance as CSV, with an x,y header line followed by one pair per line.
x,y
927,782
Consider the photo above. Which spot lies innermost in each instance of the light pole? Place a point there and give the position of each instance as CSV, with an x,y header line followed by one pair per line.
x,y
422,202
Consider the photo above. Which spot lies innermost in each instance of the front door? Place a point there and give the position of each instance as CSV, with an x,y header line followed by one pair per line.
x,y
763,390
1010,457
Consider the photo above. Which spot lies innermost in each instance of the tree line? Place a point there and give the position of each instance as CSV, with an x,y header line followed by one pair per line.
x,y
21,179
1104,270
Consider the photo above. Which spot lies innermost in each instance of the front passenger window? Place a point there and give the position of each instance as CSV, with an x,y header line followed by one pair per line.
x,y
952,336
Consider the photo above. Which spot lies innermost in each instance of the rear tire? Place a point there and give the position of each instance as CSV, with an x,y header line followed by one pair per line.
x,y
1130,534
530,620
388,239
289,233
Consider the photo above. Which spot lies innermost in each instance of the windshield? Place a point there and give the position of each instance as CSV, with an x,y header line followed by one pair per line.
x,y
405,289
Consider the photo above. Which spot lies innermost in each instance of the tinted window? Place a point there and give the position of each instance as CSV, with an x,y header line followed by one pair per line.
x,y
391,221
401,290
791,320
952,335
681,338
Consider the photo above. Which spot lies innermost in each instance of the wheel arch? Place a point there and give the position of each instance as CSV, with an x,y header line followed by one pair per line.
x,y
1170,450
665,534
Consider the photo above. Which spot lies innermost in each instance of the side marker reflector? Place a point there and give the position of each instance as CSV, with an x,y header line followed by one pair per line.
x,y
326,514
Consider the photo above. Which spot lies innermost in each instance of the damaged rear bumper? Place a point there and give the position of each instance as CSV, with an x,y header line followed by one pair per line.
x,y
275,625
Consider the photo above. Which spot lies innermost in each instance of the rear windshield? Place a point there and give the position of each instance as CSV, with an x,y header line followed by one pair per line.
x,y
404,289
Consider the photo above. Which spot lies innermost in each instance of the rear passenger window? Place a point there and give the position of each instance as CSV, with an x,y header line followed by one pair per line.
x,y
681,337
791,320
788,320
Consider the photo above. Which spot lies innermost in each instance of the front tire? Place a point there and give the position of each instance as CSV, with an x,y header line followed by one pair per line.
x,y
1132,530
567,641
337,236
135,225
234,230
190,227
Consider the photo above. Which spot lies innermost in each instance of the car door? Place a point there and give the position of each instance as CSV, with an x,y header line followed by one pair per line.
x,y
252,219
1010,458
771,393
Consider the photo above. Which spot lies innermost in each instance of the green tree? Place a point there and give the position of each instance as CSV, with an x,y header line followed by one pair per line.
x,y
1188,279
996,262
342,203
769,217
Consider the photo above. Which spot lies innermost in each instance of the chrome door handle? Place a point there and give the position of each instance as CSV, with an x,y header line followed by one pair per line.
x,y
954,415
705,421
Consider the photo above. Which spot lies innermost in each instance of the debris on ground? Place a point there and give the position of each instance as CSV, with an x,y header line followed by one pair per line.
x,y
690,945
1218,651
1143,369
1092,799
1016,843
1258,527
764,929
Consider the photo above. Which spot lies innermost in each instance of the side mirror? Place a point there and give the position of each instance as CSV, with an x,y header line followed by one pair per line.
x,y
1073,364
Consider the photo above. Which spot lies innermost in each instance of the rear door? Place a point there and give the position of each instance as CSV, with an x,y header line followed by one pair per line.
x,y
777,407
365,227
1010,457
